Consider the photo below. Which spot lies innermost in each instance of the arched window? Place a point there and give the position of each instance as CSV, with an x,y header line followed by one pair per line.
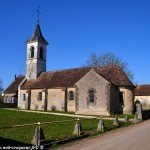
x,y
91,96
41,52
24,97
32,52
71,95
40,96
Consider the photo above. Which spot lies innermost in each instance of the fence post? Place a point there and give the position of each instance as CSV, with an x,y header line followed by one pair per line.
x,y
135,120
116,121
38,136
126,118
78,128
101,125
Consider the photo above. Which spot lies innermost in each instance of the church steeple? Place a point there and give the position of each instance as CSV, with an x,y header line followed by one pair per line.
x,y
37,35
36,54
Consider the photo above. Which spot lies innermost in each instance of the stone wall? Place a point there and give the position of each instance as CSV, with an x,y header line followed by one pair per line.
x,y
52,99
36,104
128,97
56,99
144,100
21,102
71,103
100,106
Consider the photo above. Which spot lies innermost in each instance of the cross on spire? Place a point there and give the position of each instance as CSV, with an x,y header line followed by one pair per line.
x,y
38,12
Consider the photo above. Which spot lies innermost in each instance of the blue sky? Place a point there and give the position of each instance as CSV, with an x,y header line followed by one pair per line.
x,y
74,30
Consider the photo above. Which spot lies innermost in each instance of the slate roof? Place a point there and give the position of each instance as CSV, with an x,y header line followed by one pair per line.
x,y
37,35
142,90
13,87
67,78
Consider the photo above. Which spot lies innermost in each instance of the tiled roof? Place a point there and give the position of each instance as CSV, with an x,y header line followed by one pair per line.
x,y
142,90
63,78
115,75
13,87
37,35
67,78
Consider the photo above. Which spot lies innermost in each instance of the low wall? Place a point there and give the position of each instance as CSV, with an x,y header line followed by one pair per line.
x,y
8,105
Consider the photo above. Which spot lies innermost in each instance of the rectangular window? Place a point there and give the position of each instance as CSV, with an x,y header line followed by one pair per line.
x,y
40,96
71,95
24,97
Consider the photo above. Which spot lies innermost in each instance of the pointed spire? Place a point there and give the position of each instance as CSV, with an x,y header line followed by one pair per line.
x,y
37,35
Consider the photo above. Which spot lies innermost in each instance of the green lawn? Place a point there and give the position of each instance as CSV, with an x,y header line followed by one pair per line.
x,y
55,131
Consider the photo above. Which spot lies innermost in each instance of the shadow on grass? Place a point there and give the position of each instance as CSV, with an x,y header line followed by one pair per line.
x,y
10,142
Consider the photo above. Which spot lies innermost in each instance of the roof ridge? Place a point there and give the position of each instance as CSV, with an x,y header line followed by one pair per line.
x,y
142,84
68,69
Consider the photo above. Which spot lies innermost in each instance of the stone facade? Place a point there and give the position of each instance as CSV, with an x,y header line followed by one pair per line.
x,y
128,99
108,98
52,99
34,64
56,99
93,81
144,100
71,102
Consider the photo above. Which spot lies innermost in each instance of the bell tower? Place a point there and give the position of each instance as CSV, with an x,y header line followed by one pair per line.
x,y
36,54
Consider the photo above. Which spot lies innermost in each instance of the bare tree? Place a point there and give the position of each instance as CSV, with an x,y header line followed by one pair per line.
x,y
108,58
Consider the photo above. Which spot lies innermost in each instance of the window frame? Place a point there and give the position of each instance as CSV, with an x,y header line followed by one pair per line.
x,y
32,52
71,95
40,97
91,95
24,97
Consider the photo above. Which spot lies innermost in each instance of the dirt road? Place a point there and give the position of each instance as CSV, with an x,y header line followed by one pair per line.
x,y
136,137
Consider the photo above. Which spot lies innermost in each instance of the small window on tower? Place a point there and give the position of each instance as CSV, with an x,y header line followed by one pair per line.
x,y
32,52
41,53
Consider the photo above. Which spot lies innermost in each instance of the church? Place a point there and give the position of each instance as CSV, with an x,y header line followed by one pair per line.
x,y
85,90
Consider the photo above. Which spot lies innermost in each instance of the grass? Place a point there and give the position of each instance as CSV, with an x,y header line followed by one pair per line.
x,y
56,131
123,116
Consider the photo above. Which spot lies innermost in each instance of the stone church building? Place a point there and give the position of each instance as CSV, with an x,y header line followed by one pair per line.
x,y
87,90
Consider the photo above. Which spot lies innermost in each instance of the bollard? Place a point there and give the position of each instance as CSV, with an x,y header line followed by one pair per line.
x,y
135,120
38,136
101,125
127,118
116,121
78,128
